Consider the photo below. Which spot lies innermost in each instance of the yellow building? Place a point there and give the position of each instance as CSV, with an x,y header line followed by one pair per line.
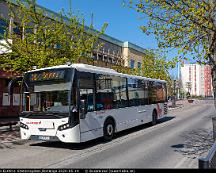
x,y
133,55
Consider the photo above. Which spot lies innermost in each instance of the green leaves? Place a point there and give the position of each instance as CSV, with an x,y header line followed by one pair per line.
x,y
154,65
186,25
47,39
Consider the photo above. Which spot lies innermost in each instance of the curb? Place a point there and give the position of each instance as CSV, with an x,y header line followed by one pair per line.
x,y
172,109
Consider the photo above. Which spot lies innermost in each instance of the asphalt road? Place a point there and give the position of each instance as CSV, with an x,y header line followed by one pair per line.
x,y
177,141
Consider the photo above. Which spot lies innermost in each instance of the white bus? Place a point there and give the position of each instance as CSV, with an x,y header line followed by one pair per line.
x,y
77,103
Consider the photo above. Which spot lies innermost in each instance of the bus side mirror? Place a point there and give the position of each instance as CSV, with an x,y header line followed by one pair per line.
x,y
83,109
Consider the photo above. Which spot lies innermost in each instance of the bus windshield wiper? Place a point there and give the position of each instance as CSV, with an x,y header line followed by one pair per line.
x,y
53,114
26,114
40,113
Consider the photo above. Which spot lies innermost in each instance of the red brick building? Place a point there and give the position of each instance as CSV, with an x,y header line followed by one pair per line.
x,y
208,82
9,105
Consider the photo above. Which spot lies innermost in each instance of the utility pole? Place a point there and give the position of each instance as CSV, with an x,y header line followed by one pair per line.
x,y
178,88
70,7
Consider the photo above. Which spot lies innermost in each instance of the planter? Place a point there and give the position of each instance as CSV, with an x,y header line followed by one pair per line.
x,y
190,100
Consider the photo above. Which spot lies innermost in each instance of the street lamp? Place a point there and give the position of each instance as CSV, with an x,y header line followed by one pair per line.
x,y
174,94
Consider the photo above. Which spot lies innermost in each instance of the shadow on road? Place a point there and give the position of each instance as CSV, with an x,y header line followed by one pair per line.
x,y
196,143
84,145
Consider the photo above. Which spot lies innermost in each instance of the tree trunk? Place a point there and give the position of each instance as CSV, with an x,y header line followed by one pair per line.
x,y
173,101
212,48
214,84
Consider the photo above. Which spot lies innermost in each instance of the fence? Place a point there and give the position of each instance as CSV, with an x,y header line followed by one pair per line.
x,y
209,162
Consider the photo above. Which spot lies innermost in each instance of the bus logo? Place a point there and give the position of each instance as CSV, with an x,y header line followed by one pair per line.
x,y
33,122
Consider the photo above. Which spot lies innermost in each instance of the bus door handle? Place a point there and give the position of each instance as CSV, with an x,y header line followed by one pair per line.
x,y
141,111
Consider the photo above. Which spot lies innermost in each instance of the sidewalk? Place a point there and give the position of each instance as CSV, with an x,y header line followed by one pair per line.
x,y
179,104
182,103
9,137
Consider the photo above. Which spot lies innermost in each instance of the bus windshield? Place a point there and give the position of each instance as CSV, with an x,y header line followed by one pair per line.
x,y
47,101
48,91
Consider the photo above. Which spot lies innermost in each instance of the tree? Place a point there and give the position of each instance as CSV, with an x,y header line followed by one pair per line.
x,y
43,39
155,65
187,25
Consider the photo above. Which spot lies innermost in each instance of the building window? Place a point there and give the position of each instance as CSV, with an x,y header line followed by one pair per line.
x,y
132,63
139,65
3,28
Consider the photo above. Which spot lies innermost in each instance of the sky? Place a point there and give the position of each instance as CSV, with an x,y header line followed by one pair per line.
x,y
123,22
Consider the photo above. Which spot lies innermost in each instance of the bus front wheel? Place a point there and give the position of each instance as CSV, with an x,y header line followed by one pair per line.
x,y
109,129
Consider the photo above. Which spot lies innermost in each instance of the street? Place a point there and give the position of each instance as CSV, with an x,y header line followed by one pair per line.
x,y
177,141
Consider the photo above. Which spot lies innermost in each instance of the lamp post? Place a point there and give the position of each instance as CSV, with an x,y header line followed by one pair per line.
x,y
174,94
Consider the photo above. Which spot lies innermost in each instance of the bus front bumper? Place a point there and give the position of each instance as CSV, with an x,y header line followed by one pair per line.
x,y
71,135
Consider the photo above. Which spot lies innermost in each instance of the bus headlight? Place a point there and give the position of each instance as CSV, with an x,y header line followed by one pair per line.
x,y
24,126
64,127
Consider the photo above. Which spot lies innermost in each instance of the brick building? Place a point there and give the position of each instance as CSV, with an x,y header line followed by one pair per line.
x,y
9,105
197,79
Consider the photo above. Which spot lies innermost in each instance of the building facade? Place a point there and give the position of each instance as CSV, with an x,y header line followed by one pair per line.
x,y
196,79
113,52
9,104
133,55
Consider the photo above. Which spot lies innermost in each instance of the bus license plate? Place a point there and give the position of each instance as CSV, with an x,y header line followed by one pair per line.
x,y
44,138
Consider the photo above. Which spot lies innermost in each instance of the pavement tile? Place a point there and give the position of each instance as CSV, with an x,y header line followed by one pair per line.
x,y
9,137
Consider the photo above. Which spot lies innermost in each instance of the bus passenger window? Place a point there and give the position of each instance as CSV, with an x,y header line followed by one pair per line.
x,y
104,94
87,95
86,85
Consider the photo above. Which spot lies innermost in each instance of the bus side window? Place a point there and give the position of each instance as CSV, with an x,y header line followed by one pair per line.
x,y
146,92
87,95
136,92
159,92
104,93
152,92
86,92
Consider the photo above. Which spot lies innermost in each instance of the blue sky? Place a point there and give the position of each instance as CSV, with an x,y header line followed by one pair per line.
x,y
123,22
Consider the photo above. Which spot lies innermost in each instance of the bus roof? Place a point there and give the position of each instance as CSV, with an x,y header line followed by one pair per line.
x,y
96,69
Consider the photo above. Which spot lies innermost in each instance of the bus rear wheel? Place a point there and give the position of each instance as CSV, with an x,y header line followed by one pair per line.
x,y
154,117
109,130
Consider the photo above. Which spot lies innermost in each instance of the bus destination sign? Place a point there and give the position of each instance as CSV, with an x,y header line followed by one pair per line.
x,y
47,75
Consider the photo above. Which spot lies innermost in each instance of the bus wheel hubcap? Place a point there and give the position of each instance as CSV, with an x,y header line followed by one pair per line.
x,y
109,129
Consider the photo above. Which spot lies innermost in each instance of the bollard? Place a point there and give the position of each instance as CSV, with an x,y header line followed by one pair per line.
x,y
203,163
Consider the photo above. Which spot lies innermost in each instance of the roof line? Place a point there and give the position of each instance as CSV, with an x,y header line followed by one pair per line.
x,y
103,36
